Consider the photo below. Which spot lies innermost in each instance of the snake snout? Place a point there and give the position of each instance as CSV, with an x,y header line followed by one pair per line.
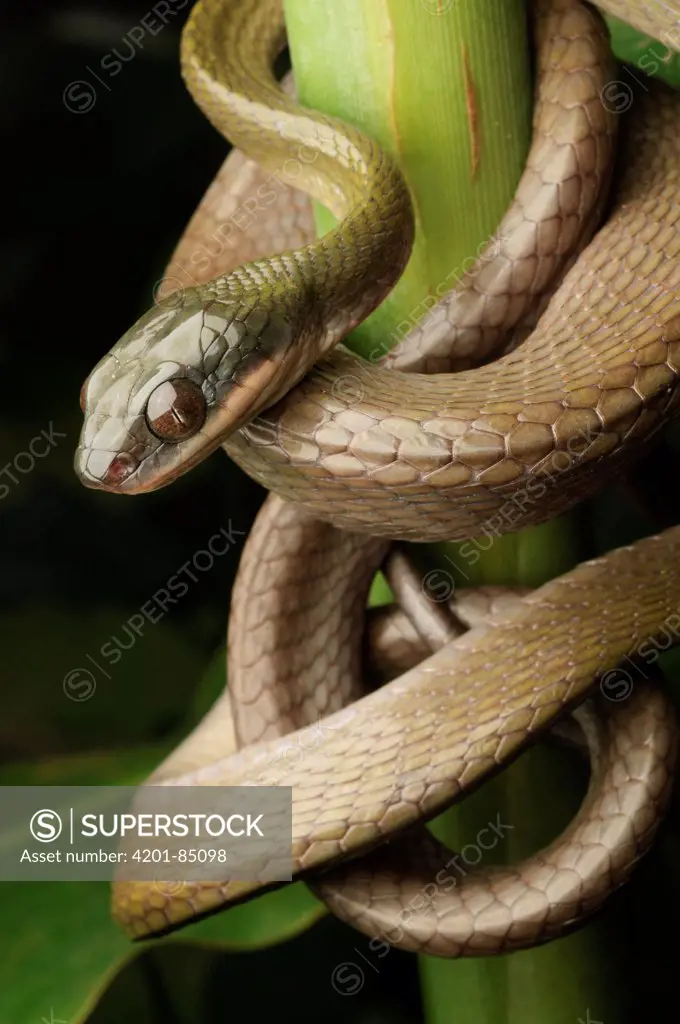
x,y
106,471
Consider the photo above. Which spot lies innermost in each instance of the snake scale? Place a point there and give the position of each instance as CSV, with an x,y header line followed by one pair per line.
x,y
249,356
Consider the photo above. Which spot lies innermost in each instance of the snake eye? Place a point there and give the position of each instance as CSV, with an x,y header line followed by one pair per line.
x,y
175,410
83,393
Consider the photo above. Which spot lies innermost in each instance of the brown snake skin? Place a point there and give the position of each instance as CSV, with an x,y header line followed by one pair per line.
x,y
438,745
387,455
444,457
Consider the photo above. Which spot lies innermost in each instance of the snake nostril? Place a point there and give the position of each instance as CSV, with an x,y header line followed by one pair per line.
x,y
119,469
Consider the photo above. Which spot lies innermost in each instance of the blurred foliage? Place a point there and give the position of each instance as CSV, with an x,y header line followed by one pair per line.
x,y
643,56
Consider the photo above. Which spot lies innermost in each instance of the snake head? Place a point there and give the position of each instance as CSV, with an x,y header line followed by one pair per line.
x,y
174,387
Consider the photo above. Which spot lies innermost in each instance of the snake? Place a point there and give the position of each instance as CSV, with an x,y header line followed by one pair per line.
x,y
429,442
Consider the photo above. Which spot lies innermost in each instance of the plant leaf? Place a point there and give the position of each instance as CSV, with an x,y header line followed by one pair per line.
x,y
649,56
60,950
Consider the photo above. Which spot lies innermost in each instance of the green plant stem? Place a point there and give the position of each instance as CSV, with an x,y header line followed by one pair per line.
x,y
407,77
444,86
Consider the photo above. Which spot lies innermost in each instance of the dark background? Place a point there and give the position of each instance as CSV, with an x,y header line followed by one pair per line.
x,y
94,199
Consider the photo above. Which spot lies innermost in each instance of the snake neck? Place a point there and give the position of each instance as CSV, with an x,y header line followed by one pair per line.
x,y
228,51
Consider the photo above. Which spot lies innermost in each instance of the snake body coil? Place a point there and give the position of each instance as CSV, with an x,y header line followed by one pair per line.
x,y
232,361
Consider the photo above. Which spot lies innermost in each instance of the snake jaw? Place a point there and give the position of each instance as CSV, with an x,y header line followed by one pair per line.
x,y
228,352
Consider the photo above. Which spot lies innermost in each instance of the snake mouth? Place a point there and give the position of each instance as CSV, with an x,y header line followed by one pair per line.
x,y
143,467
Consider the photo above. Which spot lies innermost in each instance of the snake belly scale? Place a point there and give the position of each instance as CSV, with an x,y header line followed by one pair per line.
x,y
233,361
